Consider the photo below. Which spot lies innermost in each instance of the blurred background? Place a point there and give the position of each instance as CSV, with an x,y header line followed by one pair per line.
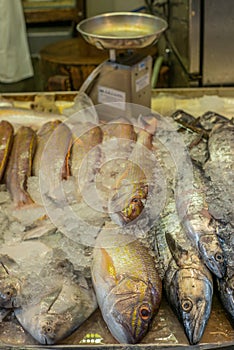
x,y
195,51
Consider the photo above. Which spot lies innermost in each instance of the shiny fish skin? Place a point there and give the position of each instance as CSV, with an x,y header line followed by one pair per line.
x,y
55,165
127,285
24,116
220,195
6,140
60,312
20,166
209,119
54,298
187,282
201,228
10,284
133,184
219,170
226,284
43,135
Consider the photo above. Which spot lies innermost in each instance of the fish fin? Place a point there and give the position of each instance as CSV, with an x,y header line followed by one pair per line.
x,y
176,249
39,231
6,263
107,265
48,300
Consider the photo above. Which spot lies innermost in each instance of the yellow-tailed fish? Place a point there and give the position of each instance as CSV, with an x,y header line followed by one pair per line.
x,y
20,166
6,140
127,285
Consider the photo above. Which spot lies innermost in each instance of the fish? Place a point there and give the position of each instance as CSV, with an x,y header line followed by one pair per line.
x,y
24,116
58,312
219,172
43,135
10,283
54,297
199,225
209,119
186,280
5,102
6,141
177,259
132,184
55,164
226,284
86,153
19,167
127,285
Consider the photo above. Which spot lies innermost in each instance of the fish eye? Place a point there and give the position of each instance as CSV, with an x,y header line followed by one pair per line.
x,y
219,257
135,200
187,305
9,292
145,312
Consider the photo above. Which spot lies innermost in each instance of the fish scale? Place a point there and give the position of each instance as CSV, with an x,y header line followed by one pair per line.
x,y
127,285
219,175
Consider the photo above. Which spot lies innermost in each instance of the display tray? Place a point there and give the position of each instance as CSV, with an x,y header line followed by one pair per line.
x,y
166,331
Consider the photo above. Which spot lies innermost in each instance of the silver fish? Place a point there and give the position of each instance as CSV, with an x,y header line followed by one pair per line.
x,y
61,311
219,171
188,283
200,226
226,284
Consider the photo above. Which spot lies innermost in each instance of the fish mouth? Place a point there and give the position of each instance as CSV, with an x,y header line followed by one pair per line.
x,y
195,323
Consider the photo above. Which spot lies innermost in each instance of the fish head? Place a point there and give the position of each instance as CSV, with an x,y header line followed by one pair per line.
x,y
190,294
49,329
129,309
10,288
212,254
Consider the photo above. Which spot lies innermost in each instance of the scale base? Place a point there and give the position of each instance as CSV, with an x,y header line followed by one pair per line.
x,y
127,80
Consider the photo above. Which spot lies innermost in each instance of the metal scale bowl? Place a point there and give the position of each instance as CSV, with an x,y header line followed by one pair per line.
x,y
126,76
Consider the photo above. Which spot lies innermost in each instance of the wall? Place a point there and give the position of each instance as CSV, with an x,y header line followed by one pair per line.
x,y
95,7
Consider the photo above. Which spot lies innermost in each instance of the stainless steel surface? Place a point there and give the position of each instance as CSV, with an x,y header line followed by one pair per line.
x,y
184,32
122,30
200,37
218,48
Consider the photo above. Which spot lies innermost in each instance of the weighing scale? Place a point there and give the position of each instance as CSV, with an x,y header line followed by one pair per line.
x,y
125,78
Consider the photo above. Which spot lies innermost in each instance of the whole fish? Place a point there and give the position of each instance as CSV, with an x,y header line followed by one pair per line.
x,y
52,298
24,116
55,163
58,312
200,227
43,135
86,153
6,140
133,183
19,167
187,282
127,285
4,102
220,197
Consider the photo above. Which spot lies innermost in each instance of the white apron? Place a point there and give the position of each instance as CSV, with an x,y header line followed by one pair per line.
x,y
15,60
